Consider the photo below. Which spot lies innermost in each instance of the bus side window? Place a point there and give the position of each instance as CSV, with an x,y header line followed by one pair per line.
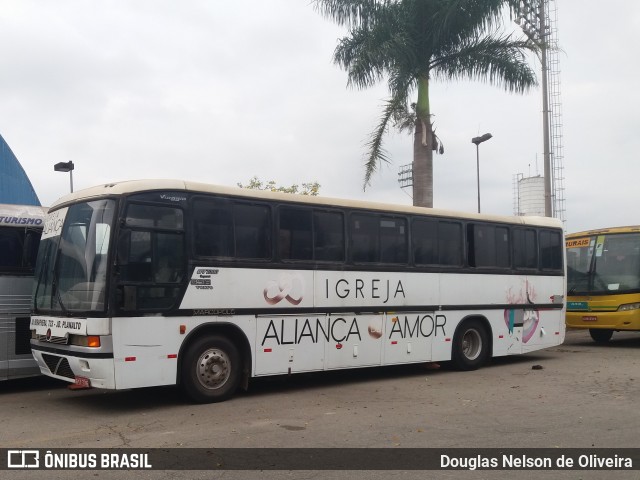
x,y
525,249
393,240
231,229
550,250
424,239
294,233
252,230
450,243
213,227
488,245
328,241
364,238
378,239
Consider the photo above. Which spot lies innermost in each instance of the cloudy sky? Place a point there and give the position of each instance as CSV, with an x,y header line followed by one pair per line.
x,y
220,91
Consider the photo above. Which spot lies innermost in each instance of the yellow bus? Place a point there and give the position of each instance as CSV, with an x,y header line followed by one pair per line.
x,y
603,281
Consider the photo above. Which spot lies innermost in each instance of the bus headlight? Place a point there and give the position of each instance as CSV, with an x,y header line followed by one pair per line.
x,y
84,341
629,306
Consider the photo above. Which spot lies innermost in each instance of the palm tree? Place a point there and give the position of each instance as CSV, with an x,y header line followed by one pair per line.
x,y
411,43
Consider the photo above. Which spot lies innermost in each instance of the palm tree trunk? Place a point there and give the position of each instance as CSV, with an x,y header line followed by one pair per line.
x,y
423,149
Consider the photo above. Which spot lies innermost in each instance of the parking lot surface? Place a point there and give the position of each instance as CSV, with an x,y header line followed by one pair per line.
x,y
577,395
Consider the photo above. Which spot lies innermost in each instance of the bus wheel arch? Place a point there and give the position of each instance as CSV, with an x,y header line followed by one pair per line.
x,y
213,362
472,346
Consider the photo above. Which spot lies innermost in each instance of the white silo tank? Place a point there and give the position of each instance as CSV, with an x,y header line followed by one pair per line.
x,y
531,196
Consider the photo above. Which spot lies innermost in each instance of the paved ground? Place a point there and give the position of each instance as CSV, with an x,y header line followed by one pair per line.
x,y
585,395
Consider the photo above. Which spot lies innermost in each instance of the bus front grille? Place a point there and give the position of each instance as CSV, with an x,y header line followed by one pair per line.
x,y
52,339
58,365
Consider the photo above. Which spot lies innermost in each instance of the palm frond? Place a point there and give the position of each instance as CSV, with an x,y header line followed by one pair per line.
x,y
349,13
500,60
453,21
375,48
376,153
354,54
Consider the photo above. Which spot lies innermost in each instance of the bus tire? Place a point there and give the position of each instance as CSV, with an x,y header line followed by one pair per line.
x,y
211,370
601,335
470,345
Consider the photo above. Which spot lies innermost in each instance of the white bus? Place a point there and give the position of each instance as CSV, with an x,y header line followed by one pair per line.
x,y
165,282
20,229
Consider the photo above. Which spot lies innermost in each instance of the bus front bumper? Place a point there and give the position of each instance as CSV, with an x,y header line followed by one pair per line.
x,y
626,320
94,370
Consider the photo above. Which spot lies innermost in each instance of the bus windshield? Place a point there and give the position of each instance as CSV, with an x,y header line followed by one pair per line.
x,y
603,264
71,269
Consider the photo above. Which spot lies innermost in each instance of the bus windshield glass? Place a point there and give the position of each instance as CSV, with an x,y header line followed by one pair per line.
x,y
603,264
71,270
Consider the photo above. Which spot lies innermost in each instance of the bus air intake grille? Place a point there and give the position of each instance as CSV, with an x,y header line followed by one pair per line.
x,y
58,365
58,340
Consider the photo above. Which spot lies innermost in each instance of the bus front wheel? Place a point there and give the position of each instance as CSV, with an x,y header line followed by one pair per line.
x,y
211,369
600,335
470,345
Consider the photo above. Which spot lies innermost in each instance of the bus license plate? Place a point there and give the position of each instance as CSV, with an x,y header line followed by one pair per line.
x,y
83,382
589,319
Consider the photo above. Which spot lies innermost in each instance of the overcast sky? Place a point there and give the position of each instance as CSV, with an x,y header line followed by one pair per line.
x,y
220,91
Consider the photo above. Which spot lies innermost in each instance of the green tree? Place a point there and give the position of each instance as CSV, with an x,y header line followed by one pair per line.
x,y
312,189
411,43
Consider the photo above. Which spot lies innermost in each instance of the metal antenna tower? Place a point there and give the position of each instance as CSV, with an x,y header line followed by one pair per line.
x,y
538,19
555,103
405,176
516,193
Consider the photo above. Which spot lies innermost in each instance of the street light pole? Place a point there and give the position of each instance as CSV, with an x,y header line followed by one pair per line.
x,y
477,141
65,167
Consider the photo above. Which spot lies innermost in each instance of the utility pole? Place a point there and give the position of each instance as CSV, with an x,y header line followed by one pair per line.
x,y
532,17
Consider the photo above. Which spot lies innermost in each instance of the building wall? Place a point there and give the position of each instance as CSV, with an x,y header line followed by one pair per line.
x,y
15,186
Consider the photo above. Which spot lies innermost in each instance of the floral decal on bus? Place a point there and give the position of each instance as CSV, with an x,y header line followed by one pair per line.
x,y
527,318
289,286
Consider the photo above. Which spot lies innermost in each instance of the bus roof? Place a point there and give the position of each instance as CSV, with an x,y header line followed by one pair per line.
x,y
587,233
135,186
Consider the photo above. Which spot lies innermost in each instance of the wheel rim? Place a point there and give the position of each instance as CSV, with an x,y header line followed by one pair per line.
x,y
471,344
213,368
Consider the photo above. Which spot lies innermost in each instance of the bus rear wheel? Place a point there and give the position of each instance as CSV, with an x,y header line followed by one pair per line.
x,y
470,345
600,335
211,369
